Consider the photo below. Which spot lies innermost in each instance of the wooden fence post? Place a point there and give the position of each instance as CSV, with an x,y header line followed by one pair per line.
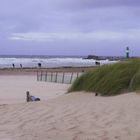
x,y
46,76
51,76
56,77
77,74
41,76
63,77
37,76
71,77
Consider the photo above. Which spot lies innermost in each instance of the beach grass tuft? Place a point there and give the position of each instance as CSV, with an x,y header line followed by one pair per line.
x,y
112,79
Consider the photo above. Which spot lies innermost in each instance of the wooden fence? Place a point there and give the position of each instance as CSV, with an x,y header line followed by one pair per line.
x,y
58,77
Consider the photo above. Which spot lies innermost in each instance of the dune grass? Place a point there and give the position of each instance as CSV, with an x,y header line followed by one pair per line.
x,y
111,79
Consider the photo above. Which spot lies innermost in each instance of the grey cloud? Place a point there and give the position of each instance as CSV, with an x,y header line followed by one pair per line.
x,y
35,6
84,16
48,15
108,3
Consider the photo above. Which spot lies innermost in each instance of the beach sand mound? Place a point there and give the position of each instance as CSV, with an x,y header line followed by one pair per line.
x,y
75,116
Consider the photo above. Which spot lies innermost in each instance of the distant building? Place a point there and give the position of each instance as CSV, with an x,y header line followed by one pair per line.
x,y
92,57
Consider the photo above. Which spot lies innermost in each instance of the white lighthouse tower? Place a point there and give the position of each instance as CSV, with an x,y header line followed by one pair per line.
x,y
127,52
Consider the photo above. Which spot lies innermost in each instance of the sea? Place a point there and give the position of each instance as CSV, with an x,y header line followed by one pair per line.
x,y
32,61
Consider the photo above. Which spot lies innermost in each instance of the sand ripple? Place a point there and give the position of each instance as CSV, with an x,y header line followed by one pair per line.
x,y
75,116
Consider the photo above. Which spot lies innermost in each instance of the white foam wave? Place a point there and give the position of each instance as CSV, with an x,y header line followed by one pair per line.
x,y
49,62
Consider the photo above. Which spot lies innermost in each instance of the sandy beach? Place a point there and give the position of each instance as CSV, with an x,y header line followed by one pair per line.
x,y
60,116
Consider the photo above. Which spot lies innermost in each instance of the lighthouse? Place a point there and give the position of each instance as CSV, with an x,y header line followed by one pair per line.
x,y
127,52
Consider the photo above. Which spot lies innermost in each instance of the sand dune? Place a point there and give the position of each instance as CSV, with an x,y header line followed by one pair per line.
x,y
75,116
60,116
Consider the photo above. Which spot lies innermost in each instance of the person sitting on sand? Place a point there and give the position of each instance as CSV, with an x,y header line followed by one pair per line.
x,y
30,98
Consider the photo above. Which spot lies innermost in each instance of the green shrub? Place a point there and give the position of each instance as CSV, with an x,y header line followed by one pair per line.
x,y
135,82
110,79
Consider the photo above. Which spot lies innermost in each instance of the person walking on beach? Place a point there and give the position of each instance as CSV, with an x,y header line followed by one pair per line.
x,y
39,65
13,65
20,65
97,63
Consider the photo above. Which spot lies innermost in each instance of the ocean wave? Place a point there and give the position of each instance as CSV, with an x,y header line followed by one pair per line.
x,y
49,62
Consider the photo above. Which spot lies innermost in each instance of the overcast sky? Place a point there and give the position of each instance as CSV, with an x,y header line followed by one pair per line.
x,y
69,27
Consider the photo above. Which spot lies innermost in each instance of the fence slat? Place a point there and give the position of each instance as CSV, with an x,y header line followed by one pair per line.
x,y
63,77
51,76
37,76
77,74
71,77
46,76
56,77
41,76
